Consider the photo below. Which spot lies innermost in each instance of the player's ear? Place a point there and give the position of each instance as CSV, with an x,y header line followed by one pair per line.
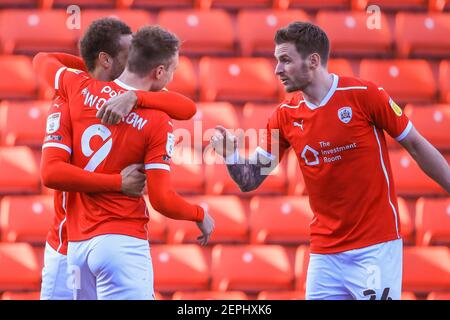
x,y
105,60
159,71
314,61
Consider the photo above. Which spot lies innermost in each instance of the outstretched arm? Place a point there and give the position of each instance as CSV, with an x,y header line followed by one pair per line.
x,y
46,64
428,158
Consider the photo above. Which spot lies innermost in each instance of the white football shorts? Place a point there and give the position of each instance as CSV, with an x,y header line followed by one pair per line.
x,y
369,273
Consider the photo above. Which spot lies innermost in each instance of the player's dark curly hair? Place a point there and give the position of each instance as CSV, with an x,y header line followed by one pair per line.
x,y
307,37
151,46
103,35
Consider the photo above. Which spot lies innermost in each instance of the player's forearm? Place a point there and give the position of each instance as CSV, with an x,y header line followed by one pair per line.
x,y
167,202
60,175
247,176
174,104
432,163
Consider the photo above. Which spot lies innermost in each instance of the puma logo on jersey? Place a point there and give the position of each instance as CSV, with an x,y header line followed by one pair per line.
x,y
298,124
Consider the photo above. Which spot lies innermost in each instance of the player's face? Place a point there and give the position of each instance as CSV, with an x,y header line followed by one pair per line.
x,y
294,71
120,61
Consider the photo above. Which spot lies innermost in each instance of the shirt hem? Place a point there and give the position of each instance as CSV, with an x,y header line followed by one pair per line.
x,y
318,250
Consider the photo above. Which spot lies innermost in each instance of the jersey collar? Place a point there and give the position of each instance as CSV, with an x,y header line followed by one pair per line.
x,y
327,98
123,85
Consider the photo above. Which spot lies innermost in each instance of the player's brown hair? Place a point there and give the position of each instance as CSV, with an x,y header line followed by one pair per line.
x,y
103,35
307,37
151,46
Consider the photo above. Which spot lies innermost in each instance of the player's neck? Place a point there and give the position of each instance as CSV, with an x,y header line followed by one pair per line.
x,y
319,87
135,81
100,74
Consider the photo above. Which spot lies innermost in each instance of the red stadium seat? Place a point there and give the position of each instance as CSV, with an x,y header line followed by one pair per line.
x,y
301,267
428,37
409,178
389,5
164,4
180,267
208,116
341,67
256,29
237,4
281,295
35,295
23,123
256,116
251,268
200,31
230,221
319,5
444,80
26,218
281,220
18,4
19,172
19,268
185,80
134,18
433,122
426,269
350,33
404,80
18,79
30,31
157,225
188,175
406,221
439,296
219,181
433,221
237,79
408,296
210,295
104,4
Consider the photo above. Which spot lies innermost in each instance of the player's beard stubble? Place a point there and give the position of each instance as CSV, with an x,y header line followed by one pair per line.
x,y
300,79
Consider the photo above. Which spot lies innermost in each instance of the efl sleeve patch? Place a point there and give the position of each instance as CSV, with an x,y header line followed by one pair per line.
x,y
53,122
170,144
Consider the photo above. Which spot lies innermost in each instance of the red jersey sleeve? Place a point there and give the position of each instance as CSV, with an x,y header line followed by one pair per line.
x,y
174,104
159,150
56,170
58,132
48,66
385,114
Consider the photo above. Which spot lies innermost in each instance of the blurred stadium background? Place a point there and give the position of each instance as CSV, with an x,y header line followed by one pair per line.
x,y
260,246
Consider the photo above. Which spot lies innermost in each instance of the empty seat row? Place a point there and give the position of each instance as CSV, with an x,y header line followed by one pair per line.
x,y
212,31
253,79
233,268
432,5
262,220
203,172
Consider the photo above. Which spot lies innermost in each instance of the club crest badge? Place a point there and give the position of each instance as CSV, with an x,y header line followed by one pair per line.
x,y
345,114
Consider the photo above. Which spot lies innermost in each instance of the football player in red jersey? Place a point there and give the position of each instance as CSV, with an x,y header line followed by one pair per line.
x,y
335,126
107,232
104,49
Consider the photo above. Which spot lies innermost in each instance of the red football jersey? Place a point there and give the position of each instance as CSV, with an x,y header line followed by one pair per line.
x,y
144,136
59,135
342,153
